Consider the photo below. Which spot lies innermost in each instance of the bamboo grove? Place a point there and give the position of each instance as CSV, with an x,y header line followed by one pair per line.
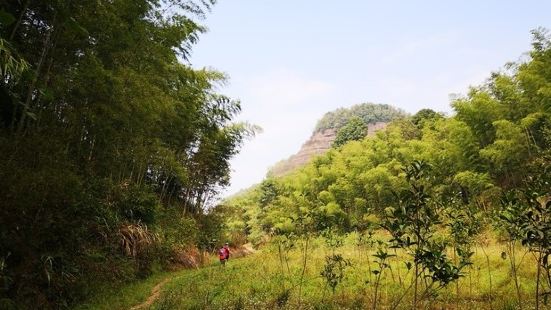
x,y
112,146
431,187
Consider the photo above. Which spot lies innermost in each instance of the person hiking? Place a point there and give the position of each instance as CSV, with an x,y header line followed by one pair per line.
x,y
224,254
227,250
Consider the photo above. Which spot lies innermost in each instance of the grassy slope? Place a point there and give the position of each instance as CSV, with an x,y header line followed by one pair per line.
x,y
112,297
261,281
115,297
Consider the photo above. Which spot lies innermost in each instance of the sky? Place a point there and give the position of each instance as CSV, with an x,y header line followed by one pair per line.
x,y
291,61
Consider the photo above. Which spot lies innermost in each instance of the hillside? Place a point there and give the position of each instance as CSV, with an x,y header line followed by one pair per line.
x,y
374,116
280,286
432,212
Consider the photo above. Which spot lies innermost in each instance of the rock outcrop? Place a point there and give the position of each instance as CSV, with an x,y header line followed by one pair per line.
x,y
319,143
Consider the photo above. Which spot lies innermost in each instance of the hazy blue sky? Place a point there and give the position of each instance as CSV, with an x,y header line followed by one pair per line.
x,y
290,61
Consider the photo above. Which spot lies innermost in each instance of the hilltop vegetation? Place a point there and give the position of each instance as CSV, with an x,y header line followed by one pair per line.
x,y
367,112
434,186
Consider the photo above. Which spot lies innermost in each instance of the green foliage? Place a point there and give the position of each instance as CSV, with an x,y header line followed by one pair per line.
x,y
334,270
177,231
424,116
255,282
414,225
268,192
525,216
11,67
367,112
210,228
431,182
113,149
381,260
355,129
499,130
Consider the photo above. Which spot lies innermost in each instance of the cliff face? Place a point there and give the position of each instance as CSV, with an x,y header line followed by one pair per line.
x,y
319,143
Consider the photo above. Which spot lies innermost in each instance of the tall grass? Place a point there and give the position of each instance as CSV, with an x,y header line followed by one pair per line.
x,y
260,282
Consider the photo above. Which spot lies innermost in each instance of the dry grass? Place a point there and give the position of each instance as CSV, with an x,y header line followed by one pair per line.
x,y
135,238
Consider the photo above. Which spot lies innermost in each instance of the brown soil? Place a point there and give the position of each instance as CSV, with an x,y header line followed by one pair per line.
x,y
155,293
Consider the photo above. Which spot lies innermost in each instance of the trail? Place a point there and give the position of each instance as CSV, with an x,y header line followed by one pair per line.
x,y
155,294
156,291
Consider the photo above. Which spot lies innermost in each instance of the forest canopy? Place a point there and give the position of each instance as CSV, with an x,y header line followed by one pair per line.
x,y
497,142
420,197
112,145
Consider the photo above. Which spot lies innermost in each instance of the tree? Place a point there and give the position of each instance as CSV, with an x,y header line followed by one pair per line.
x,y
106,133
355,129
425,115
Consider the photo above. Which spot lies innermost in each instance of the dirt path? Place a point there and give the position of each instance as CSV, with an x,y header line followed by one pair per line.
x,y
245,250
155,293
